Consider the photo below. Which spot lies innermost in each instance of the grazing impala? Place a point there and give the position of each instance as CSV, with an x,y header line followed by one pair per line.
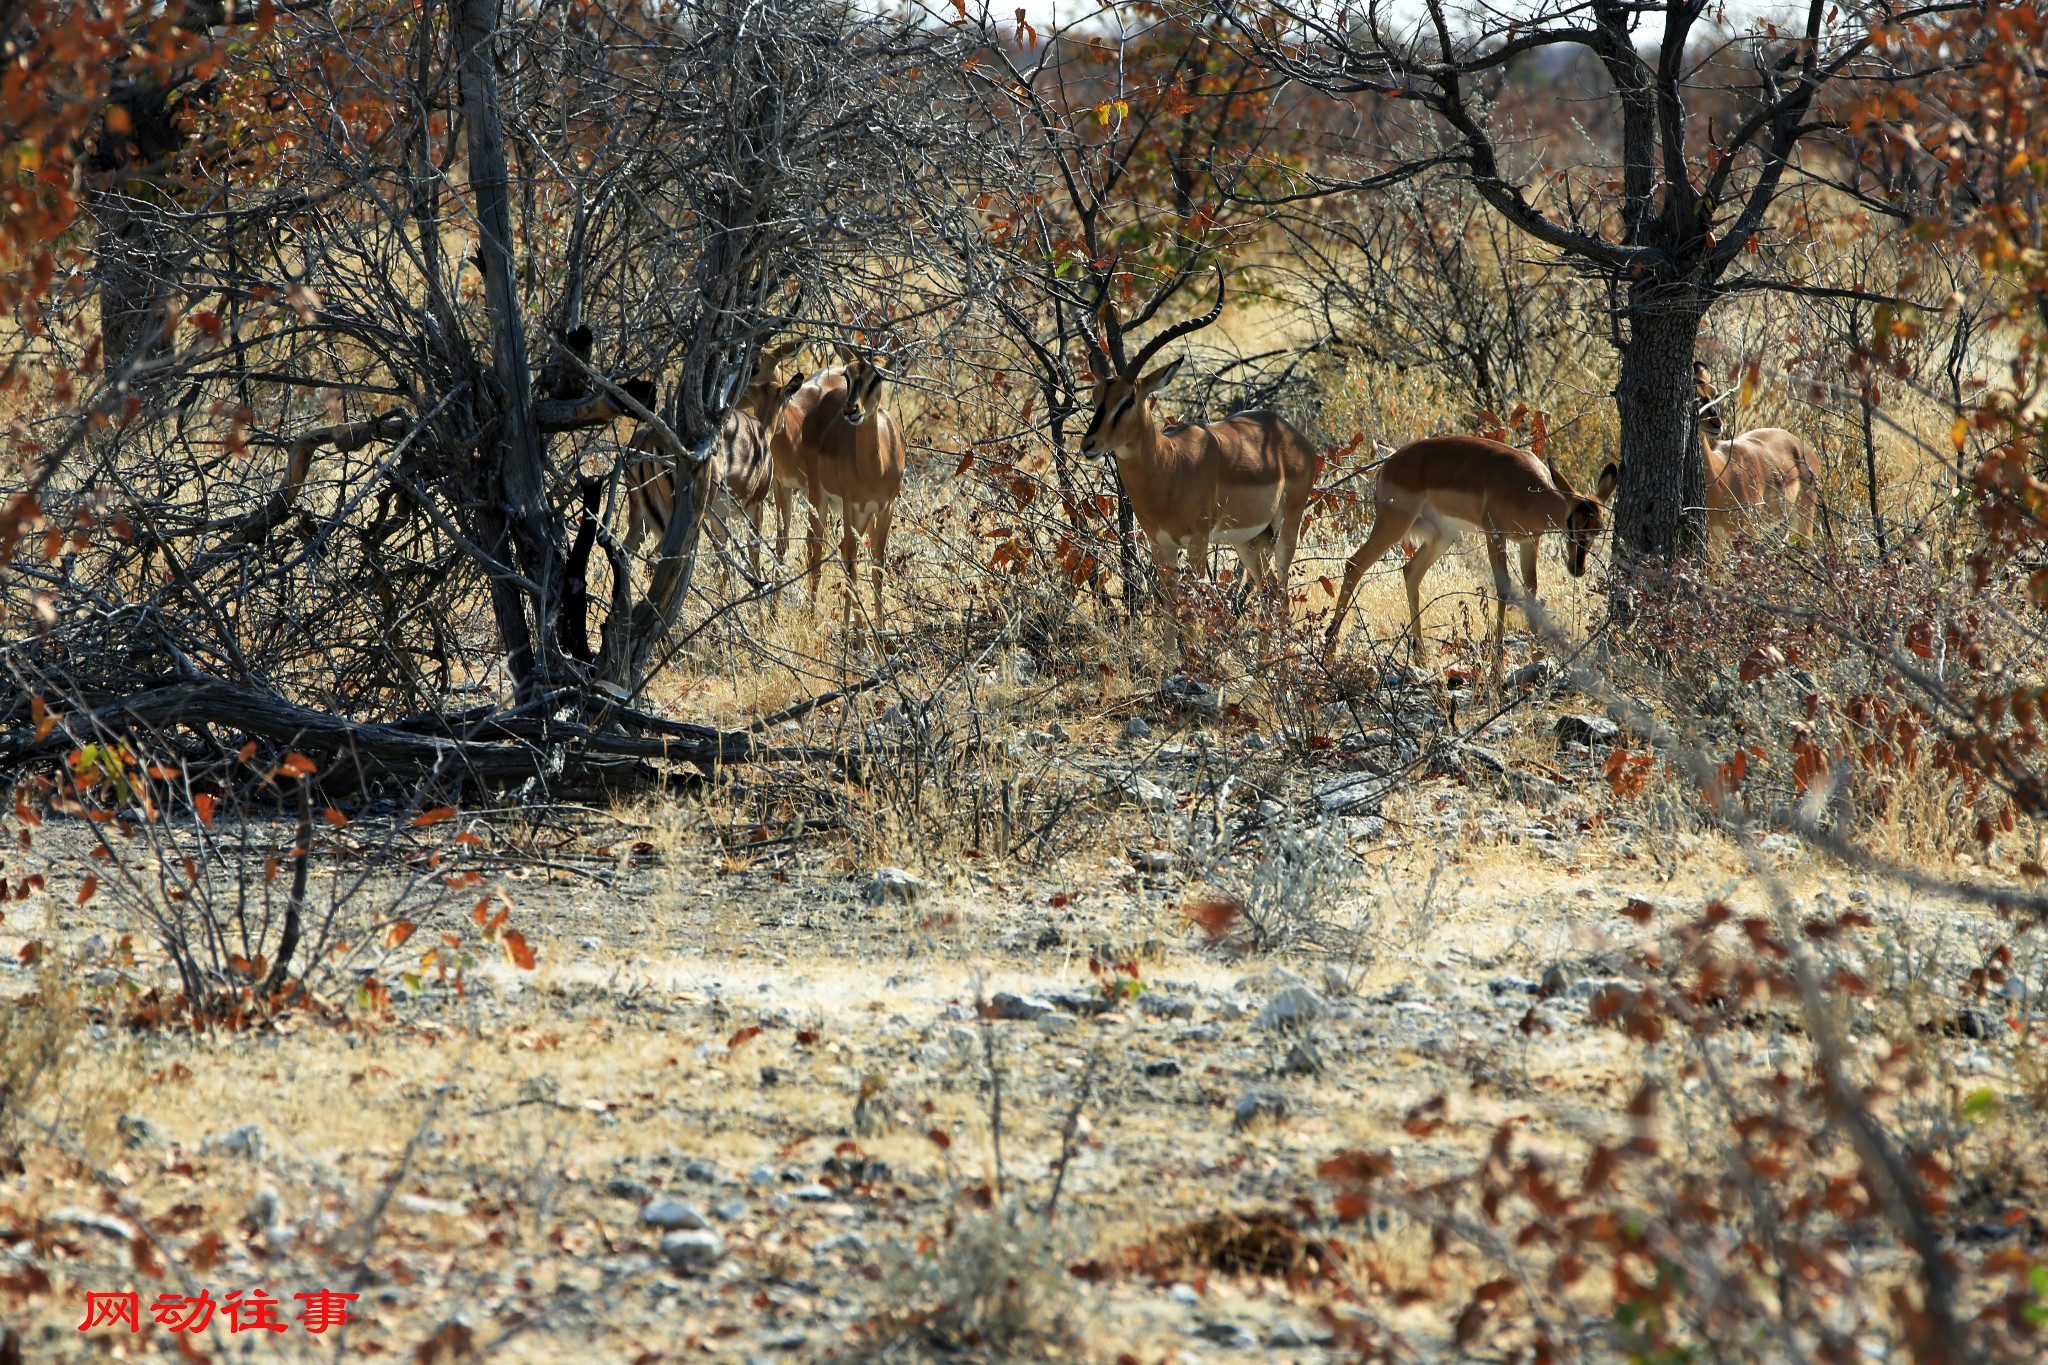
x,y
1435,490
844,452
1762,476
742,468
1244,480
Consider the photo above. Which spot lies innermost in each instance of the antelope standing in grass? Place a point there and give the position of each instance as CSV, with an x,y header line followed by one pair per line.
x,y
742,469
843,451
1436,490
1762,477
1244,480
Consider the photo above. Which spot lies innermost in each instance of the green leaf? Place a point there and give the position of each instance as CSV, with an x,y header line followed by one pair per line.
x,y
1980,1105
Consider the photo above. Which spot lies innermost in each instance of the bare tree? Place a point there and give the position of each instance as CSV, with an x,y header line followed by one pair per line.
x,y
452,247
1690,139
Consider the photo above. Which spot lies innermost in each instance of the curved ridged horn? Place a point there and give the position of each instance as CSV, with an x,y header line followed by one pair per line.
x,y
1177,331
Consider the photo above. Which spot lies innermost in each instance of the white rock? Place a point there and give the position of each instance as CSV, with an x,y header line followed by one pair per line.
x,y
1295,1007
1136,728
1354,793
694,1250
246,1140
1010,1005
671,1214
894,884
90,1221
446,1208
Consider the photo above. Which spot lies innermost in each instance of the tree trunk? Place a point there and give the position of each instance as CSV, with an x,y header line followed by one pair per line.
x,y
515,467
1661,510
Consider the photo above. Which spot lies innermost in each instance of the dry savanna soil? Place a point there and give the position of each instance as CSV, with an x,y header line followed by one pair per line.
x,y
763,1102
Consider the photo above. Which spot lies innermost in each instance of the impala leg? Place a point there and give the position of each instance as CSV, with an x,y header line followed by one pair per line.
x,y
849,554
878,547
1411,578
1286,540
1166,568
755,515
814,556
1389,526
1497,555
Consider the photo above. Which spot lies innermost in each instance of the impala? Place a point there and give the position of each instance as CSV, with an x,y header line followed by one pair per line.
x,y
834,443
1762,476
742,468
1437,489
1244,481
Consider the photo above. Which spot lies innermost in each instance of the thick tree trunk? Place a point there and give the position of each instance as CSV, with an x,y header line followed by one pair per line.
x,y
514,463
1661,510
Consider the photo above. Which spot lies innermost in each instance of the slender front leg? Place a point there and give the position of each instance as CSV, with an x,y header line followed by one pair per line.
x,y
814,556
1411,578
1390,524
878,546
1497,555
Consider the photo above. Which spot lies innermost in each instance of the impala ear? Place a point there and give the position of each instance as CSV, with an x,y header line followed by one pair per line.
x,y
1162,376
791,385
1610,479
1558,477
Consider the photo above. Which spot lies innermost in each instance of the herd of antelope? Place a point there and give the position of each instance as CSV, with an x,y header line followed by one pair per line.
x,y
1245,481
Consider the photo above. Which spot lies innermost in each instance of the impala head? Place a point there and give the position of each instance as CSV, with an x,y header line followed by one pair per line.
x,y
1703,390
1123,391
1582,524
768,390
864,376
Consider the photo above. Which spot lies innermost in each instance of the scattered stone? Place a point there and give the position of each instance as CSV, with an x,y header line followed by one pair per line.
x,y
1515,985
762,1175
1010,1005
1055,1023
589,945
1193,694
246,1140
1335,982
1184,1294
1355,793
1478,757
1288,1335
1227,1334
1585,729
1302,1060
265,1210
1135,729
847,1244
1975,1024
1786,844
695,1250
794,1175
625,1187
702,1171
137,1132
1535,673
1203,1033
1039,739
730,1211
436,1208
1056,732
1293,1008
1160,1005
1161,1070
815,1193
1255,1105
105,1224
1556,981
894,884
1148,793
1153,860
1271,812
671,1214
770,1076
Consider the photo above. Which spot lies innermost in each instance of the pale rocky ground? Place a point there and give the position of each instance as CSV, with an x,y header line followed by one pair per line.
x,y
498,1152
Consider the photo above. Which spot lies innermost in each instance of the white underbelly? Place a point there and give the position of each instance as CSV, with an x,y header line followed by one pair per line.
x,y
1221,535
1436,526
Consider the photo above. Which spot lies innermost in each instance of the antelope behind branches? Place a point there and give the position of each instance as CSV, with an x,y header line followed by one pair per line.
x,y
1244,480
835,444
1762,477
742,466
1437,489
